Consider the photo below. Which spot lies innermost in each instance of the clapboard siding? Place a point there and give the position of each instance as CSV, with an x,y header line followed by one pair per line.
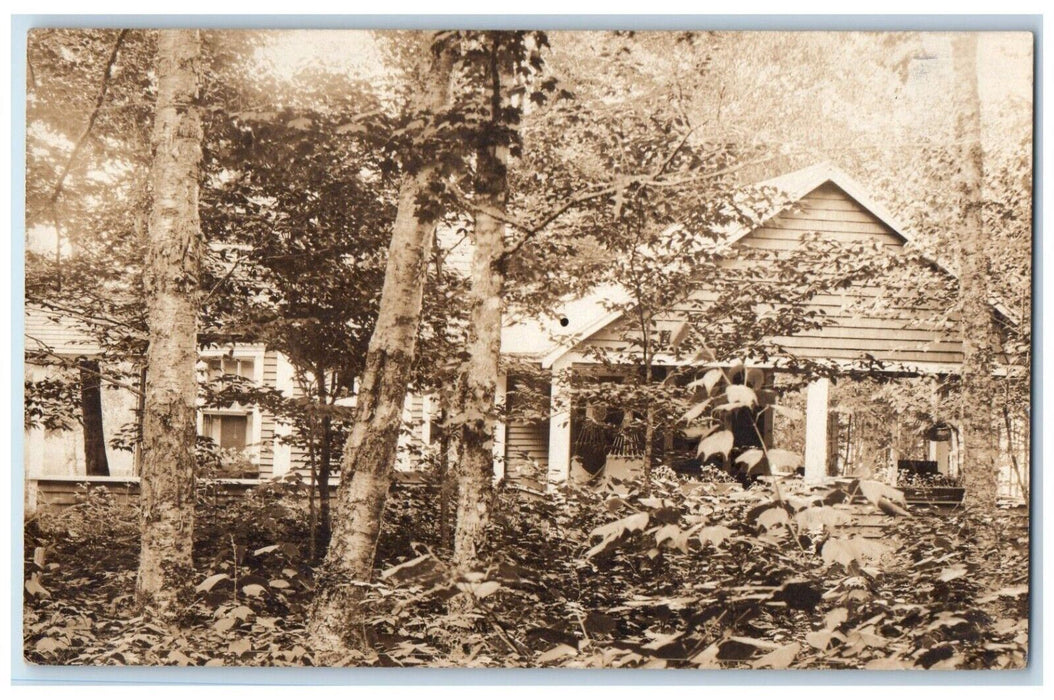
x,y
267,421
863,320
526,441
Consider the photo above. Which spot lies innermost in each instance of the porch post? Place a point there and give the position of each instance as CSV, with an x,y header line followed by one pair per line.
x,y
559,423
499,427
816,430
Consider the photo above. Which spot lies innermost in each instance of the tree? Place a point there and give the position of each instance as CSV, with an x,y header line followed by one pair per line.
x,y
95,463
369,454
978,339
500,68
172,271
303,265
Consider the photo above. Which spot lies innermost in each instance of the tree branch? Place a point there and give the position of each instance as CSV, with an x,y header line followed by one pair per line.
x,y
106,75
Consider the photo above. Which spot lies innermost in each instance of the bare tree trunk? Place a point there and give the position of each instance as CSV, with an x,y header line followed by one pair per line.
x,y
369,454
445,448
324,465
980,466
173,261
95,463
480,380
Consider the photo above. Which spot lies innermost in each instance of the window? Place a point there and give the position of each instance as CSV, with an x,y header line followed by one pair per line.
x,y
228,431
239,366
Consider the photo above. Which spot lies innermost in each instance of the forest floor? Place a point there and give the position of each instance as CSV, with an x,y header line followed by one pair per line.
x,y
690,575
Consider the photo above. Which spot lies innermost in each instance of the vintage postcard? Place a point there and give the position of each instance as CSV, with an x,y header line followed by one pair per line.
x,y
521,349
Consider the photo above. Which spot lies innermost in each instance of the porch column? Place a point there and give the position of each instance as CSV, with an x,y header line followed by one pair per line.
x,y
816,430
560,423
499,427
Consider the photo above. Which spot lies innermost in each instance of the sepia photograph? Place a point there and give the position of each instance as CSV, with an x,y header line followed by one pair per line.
x,y
478,348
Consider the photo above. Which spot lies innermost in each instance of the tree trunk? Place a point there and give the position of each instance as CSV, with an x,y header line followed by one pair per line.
x,y
171,280
324,467
480,380
979,466
369,454
95,463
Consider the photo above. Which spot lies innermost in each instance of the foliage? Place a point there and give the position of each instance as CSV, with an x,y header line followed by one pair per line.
x,y
692,575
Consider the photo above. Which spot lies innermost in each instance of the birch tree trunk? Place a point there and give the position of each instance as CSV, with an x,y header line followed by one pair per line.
x,y
979,466
369,454
480,380
173,261
476,468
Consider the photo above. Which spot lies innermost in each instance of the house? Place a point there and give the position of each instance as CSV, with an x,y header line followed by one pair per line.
x,y
826,201
248,437
570,341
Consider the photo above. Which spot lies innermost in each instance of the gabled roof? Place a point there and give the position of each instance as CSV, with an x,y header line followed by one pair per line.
x,y
540,337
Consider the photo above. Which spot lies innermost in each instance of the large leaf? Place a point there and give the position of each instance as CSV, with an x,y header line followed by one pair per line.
x,y
631,523
208,584
875,491
696,411
751,458
773,517
720,442
778,658
740,395
715,534
420,567
708,380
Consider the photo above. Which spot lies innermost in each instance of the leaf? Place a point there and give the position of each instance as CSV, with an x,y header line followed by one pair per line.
x,y
740,395
890,508
38,557
303,123
480,590
265,550
773,517
696,411
279,583
818,517
822,639
414,568
208,584
750,458
224,624
952,572
34,588
887,663
754,378
240,646
778,658
253,589
678,538
783,461
874,491
835,618
558,652
180,658
699,431
631,523
47,645
720,442
242,612
708,380
715,534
